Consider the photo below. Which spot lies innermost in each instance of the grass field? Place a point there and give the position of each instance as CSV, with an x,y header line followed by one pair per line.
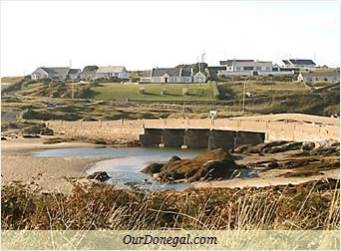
x,y
156,92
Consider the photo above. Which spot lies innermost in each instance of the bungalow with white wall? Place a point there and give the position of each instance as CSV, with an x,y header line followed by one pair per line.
x,y
56,73
245,67
107,72
249,67
168,75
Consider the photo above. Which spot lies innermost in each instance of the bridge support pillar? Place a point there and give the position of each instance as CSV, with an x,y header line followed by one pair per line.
x,y
173,137
221,139
196,138
252,138
151,138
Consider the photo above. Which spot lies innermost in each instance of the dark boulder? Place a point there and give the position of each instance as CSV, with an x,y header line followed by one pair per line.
x,y
242,148
326,151
268,146
153,168
174,158
31,136
99,176
209,165
286,147
214,170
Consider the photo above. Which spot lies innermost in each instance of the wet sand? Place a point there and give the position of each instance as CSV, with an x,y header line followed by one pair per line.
x,y
18,164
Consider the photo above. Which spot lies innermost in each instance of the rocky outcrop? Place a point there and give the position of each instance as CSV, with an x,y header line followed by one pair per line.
x,y
152,168
210,165
328,147
99,176
260,148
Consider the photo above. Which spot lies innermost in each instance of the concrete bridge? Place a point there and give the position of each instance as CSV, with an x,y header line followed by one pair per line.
x,y
199,138
225,132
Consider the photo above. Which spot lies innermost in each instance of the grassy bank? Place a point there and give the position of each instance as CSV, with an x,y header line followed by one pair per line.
x,y
312,205
110,101
155,92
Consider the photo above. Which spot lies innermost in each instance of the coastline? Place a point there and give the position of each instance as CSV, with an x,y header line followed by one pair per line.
x,y
18,164
51,173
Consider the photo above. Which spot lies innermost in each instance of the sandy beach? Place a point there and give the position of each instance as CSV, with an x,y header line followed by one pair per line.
x,y
18,164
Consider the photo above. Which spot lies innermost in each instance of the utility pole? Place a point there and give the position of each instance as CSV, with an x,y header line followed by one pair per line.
x,y
244,87
72,90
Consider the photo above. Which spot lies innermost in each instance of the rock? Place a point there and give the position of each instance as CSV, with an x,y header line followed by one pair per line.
x,y
152,168
286,147
260,148
308,146
271,165
268,146
30,136
326,151
242,148
213,170
174,158
295,163
243,173
100,176
209,165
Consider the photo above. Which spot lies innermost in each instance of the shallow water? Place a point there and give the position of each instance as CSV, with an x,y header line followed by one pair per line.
x,y
124,164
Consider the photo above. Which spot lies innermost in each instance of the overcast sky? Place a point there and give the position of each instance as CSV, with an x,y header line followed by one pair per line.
x,y
141,35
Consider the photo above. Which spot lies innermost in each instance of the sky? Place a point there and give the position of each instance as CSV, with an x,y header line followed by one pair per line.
x,y
146,34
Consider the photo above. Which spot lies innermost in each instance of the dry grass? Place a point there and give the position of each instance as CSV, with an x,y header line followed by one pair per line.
x,y
313,205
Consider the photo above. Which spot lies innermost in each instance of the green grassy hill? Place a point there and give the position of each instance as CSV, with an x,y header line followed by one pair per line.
x,y
155,92
107,101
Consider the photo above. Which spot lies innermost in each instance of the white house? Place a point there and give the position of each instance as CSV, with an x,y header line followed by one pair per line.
x,y
56,73
199,77
169,75
316,77
246,67
119,72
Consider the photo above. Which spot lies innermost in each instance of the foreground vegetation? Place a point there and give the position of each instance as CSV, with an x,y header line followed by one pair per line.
x,y
312,205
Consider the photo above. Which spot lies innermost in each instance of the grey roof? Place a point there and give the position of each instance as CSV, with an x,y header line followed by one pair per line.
x,y
186,72
299,62
111,69
172,72
74,71
56,72
230,61
90,68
